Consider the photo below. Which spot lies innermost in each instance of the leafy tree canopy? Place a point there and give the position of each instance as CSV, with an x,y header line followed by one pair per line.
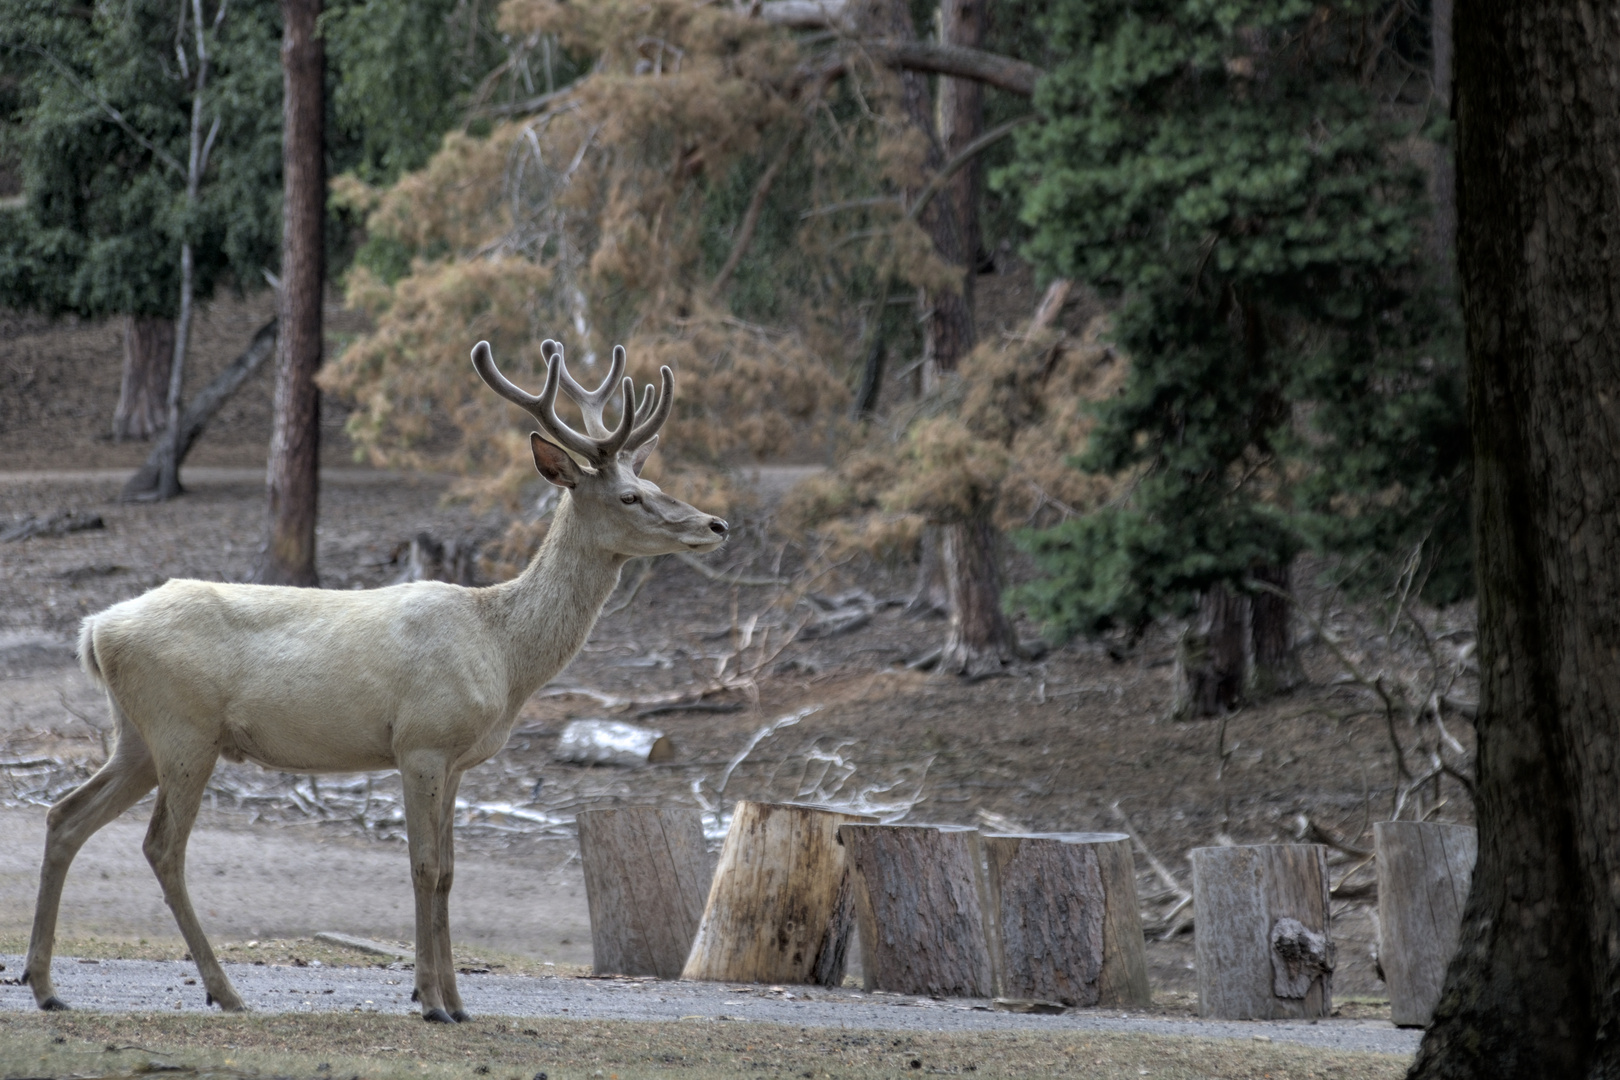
x,y
1245,177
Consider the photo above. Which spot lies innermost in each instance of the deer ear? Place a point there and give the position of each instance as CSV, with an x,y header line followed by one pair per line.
x,y
553,462
643,452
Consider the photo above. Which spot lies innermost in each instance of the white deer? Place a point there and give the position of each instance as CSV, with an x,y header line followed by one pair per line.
x,y
424,677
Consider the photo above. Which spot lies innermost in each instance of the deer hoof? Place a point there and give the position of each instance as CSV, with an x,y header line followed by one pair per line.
x,y
437,1016
53,1004
460,1016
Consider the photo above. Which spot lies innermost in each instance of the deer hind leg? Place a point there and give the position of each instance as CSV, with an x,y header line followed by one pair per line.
x,y
427,779
182,775
441,903
119,784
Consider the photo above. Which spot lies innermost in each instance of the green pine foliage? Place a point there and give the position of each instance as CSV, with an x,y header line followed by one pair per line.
x,y
99,228
1241,178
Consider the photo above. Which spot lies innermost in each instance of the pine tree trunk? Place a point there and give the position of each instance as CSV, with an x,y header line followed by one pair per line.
x,y
1273,661
978,637
1534,991
143,391
961,120
292,477
1211,656
1443,178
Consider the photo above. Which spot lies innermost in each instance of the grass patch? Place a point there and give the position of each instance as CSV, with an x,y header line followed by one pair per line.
x,y
295,952
338,1047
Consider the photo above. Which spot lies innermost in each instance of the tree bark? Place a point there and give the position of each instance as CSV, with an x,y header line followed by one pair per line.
x,y
1424,869
1443,178
961,120
1066,923
1211,656
204,404
292,477
920,902
1263,943
646,875
780,907
1274,666
1534,991
978,637
143,390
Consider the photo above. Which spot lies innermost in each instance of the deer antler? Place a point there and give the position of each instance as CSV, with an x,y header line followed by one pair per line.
x,y
637,423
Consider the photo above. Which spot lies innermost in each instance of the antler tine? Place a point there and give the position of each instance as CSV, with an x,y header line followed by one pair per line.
x,y
542,406
592,402
648,427
612,444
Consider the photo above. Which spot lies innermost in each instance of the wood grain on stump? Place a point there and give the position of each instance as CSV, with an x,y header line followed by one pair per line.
x,y
780,909
1263,946
1064,917
920,905
1424,872
646,876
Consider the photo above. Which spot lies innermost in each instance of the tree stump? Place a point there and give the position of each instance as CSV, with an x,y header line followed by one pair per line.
x,y
646,874
1064,918
1424,872
1263,945
920,904
780,909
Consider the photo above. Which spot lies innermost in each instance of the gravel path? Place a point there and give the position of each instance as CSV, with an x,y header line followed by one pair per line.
x,y
131,985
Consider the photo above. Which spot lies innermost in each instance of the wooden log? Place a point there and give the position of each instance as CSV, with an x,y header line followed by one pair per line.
x,y
920,904
780,907
1424,872
1066,926
1263,945
646,875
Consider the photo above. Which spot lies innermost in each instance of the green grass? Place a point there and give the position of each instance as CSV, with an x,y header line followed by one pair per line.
x,y
344,1047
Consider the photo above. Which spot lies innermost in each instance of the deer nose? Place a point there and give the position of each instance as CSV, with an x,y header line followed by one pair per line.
x,y
717,526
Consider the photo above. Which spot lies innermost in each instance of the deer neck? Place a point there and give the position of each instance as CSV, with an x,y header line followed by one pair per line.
x,y
551,607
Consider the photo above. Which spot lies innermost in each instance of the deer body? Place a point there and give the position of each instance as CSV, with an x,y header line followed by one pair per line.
x,y
424,677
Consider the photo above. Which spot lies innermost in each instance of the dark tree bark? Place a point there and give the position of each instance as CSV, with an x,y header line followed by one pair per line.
x,y
144,390
1443,178
978,637
961,120
292,477
1534,989
1210,657
1273,661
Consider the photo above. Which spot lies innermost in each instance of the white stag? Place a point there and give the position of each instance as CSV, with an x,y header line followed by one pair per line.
x,y
425,677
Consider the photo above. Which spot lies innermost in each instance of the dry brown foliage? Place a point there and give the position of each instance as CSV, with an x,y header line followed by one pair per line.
x,y
584,222
996,437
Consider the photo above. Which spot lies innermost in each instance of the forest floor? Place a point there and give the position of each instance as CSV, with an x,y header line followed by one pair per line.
x,y
1077,741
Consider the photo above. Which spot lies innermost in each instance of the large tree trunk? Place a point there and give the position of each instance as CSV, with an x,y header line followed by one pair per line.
x,y
1273,661
1534,990
1211,656
143,392
961,120
292,477
1443,177
978,637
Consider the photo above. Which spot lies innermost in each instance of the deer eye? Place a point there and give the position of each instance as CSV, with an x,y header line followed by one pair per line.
x,y
630,498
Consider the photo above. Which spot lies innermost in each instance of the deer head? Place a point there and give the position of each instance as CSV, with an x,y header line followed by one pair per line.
x,y
624,514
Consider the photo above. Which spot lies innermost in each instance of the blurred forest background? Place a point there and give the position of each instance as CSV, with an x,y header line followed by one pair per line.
x,y
1157,293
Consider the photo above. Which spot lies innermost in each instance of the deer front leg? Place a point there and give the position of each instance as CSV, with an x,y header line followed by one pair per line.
x,y
441,902
116,786
182,775
426,778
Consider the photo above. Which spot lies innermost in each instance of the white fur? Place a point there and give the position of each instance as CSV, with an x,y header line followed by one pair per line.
x,y
425,677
